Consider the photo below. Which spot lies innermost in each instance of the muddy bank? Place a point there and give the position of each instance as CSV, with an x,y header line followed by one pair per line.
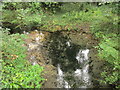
x,y
50,48
38,54
63,47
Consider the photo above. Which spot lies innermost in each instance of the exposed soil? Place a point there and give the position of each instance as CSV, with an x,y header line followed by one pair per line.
x,y
37,54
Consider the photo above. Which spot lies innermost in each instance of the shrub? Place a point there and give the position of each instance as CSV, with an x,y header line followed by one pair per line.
x,y
17,72
109,51
24,18
105,28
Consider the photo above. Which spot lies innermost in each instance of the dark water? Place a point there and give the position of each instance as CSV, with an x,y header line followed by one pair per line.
x,y
71,60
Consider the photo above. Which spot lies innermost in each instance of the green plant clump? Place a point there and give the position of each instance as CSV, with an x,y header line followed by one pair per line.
x,y
17,72
109,50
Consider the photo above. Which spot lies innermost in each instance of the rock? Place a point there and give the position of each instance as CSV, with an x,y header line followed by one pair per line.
x,y
32,46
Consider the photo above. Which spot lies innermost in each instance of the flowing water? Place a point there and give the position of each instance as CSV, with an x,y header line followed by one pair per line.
x,y
69,55
72,61
76,65
81,75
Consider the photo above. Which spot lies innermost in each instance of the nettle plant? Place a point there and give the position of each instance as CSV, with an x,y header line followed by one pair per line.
x,y
17,72
109,51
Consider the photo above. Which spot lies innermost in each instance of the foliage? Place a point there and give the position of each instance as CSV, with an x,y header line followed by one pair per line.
x,y
69,16
22,5
72,19
109,50
17,72
26,17
105,28
51,6
106,22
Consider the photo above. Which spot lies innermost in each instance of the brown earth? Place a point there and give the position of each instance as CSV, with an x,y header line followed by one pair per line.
x,y
37,54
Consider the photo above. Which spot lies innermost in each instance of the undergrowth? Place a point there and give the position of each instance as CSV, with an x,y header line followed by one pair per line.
x,y
109,50
102,18
17,72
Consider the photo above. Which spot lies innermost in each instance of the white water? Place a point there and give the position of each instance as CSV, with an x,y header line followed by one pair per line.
x,y
82,56
81,73
62,83
68,44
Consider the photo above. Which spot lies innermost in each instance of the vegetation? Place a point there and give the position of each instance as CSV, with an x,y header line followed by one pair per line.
x,y
109,51
102,19
17,72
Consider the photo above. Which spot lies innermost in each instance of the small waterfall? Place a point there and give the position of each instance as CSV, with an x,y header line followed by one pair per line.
x,y
82,56
82,73
68,43
61,82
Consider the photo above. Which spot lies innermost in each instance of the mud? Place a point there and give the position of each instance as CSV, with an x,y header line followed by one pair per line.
x,y
37,54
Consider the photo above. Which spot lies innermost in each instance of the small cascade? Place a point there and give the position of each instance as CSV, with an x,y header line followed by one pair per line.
x,y
61,82
69,54
68,43
82,74
82,56
66,54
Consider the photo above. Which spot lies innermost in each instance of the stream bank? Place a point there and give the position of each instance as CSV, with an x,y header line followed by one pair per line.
x,y
58,50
